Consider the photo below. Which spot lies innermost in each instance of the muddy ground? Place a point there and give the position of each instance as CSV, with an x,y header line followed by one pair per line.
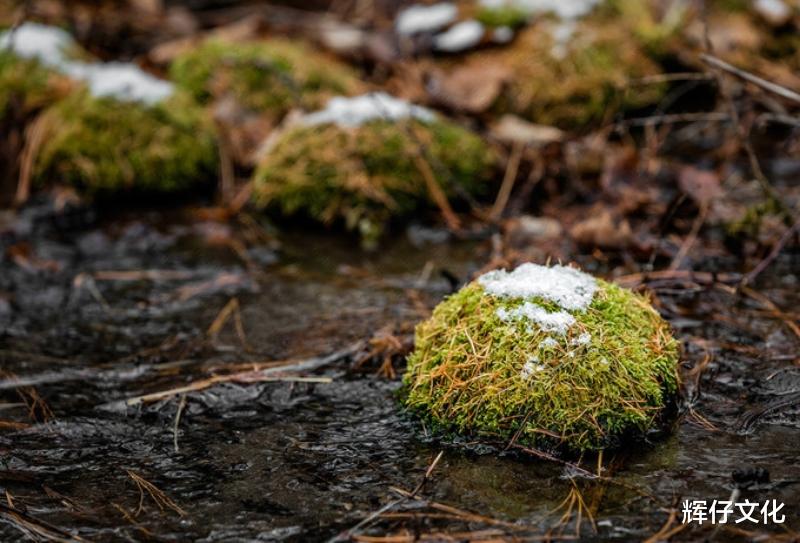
x,y
305,461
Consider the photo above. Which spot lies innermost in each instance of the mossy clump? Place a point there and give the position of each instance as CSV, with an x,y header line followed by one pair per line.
x,y
269,76
26,86
505,367
365,176
104,145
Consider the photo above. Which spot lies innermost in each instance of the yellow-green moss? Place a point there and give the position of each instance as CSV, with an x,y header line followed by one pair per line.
x,y
365,176
104,145
26,86
270,76
466,371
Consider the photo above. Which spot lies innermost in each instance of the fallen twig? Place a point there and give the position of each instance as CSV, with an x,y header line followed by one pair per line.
x,y
751,78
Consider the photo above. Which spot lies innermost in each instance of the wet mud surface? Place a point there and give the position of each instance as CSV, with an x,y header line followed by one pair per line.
x,y
313,453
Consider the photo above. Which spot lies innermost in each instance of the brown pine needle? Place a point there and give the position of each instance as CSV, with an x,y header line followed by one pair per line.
x,y
157,495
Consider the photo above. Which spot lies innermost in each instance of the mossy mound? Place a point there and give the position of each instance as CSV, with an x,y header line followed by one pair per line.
x,y
575,73
524,367
366,175
270,76
26,86
102,145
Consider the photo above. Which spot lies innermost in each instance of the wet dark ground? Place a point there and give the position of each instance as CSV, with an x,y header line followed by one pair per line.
x,y
303,461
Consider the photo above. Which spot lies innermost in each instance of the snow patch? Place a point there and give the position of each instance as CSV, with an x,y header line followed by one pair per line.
x,y
503,34
354,112
567,287
47,44
460,37
563,9
583,339
120,80
557,322
531,368
418,18
549,342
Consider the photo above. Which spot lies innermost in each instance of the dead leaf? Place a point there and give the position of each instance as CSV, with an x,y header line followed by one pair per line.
x,y
603,230
513,129
472,88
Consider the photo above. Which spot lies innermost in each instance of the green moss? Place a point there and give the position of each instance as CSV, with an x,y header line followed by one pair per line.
x,y
586,86
267,76
366,176
502,16
466,371
104,145
26,86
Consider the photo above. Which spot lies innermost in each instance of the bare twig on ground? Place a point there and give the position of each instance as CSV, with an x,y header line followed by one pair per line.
x,y
231,308
774,88
350,533
773,254
37,529
281,373
436,192
509,179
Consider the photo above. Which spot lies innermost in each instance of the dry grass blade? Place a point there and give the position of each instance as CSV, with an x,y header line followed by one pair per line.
x,y
163,501
231,308
35,529
141,275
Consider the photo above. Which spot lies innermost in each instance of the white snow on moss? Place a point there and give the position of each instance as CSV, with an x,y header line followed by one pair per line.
x,y
47,44
567,287
531,367
121,80
549,342
51,46
563,9
583,339
353,112
558,321
460,37
419,18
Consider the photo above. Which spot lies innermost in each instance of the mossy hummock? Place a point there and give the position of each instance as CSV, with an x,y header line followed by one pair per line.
x,y
101,127
269,77
364,169
547,356
104,146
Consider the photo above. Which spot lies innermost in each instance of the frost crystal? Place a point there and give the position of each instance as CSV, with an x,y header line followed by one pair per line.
x,y
50,46
462,36
571,289
558,321
353,112
418,18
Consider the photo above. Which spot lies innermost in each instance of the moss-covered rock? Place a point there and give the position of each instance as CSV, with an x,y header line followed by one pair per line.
x,y
269,76
366,175
549,356
103,145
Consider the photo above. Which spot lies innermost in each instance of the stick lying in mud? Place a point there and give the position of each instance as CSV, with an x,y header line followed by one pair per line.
x,y
35,528
275,373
